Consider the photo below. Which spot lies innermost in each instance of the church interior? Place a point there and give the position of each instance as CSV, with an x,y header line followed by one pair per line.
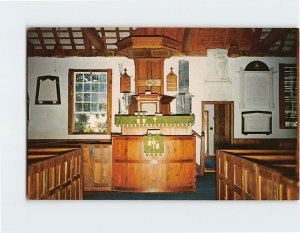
x,y
162,113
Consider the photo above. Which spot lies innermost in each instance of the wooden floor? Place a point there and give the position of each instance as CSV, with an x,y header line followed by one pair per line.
x,y
206,190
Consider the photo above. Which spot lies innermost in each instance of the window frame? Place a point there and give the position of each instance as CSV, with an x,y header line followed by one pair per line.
x,y
71,81
282,97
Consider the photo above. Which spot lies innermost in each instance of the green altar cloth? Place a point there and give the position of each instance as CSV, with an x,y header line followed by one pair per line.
x,y
151,120
154,144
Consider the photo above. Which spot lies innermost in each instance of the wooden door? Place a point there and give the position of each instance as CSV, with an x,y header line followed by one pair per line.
x,y
97,167
206,131
149,68
222,125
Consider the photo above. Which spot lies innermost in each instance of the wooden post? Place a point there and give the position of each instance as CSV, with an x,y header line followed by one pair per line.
x,y
202,154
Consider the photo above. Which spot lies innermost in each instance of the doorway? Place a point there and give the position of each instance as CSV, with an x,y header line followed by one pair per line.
x,y
217,122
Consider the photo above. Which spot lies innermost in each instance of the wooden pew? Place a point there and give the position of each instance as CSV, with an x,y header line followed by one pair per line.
x,y
54,173
257,175
96,159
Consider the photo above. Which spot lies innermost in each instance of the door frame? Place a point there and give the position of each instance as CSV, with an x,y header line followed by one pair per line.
x,y
231,103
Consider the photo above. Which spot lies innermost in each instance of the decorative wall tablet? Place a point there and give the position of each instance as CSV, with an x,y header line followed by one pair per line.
x,y
256,88
183,76
217,67
171,81
47,90
256,122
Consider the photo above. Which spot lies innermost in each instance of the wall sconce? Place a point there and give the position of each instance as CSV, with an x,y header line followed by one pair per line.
x,y
233,51
125,82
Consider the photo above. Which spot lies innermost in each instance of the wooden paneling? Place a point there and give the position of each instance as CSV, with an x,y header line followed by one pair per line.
x,y
174,171
275,143
58,178
149,69
257,175
97,167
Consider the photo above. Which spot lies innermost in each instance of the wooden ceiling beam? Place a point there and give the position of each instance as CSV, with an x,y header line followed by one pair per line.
x,y
57,42
275,35
255,40
118,34
58,50
95,39
188,36
87,43
71,38
30,49
41,39
103,37
131,31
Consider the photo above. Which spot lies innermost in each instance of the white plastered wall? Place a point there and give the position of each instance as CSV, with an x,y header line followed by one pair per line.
x,y
227,91
51,121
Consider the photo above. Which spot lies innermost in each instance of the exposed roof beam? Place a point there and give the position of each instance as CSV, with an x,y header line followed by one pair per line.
x,y
255,40
275,35
30,49
87,43
41,39
93,36
189,34
57,42
71,38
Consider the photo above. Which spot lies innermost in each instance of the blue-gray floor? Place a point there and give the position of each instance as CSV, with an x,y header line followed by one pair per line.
x,y
206,190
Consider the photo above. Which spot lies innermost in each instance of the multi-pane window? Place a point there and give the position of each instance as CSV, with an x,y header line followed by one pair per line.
x,y
91,97
288,95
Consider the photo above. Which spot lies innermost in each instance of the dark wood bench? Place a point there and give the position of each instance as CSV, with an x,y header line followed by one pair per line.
x,y
257,175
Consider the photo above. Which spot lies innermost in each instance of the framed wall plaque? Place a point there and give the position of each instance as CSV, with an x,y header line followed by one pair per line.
x,y
47,90
256,122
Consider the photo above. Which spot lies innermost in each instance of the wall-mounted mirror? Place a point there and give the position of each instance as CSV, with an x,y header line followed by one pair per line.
x,y
47,90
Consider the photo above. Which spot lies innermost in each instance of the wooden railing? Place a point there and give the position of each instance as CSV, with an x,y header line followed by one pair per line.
x,y
54,173
202,151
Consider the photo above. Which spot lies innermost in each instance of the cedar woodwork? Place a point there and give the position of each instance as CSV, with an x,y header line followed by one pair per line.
x,y
95,39
71,98
219,126
275,35
222,125
171,81
166,42
56,176
149,68
125,83
148,47
133,171
72,39
298,103
97,165
259,143
164,102
257,175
